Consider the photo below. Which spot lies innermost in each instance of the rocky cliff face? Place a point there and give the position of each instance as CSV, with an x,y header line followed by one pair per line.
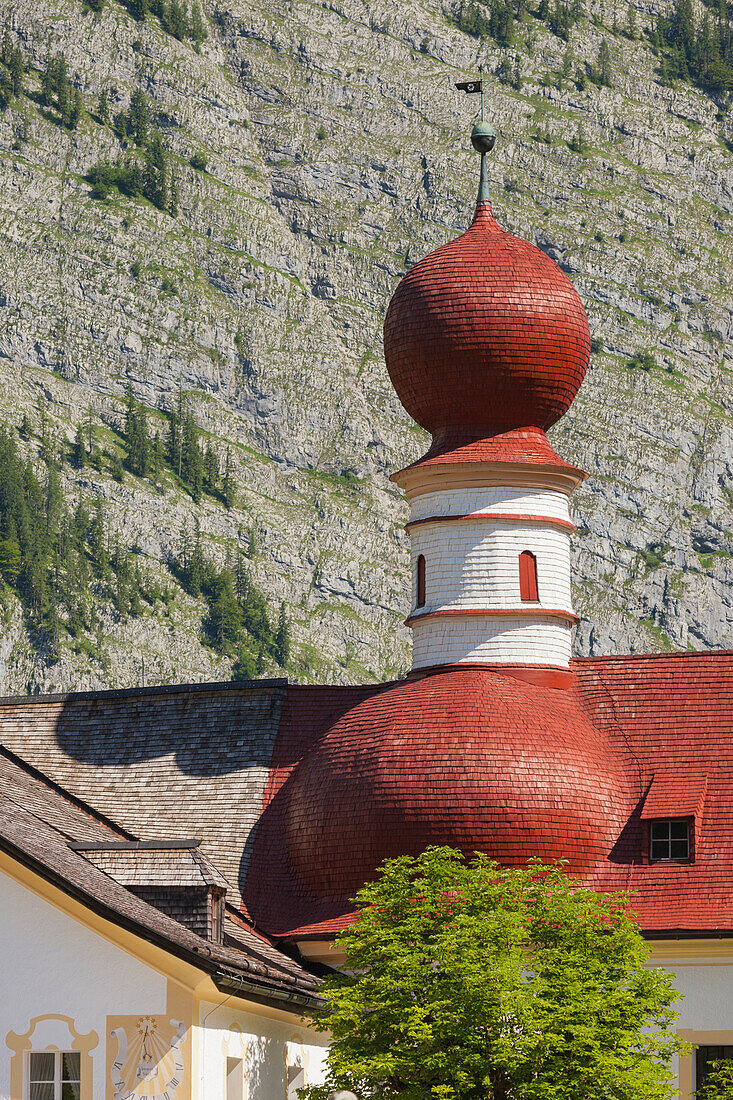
x,y
336,155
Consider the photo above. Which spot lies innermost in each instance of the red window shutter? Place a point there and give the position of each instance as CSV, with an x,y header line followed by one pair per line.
x,y
421,581
528,576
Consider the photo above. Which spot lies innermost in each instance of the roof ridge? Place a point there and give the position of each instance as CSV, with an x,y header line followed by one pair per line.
x,y
674,654
155,689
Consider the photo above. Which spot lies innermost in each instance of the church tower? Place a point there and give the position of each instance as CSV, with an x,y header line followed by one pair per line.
x,y
486,746
487,342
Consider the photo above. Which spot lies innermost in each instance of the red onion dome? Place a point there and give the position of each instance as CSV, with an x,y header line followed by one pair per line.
x,y
486,332
472,758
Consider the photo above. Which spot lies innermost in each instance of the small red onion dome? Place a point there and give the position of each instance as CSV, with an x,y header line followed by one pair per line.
x,y
472,758
486,333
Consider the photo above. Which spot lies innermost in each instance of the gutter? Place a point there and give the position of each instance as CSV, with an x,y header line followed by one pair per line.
x,y
227,981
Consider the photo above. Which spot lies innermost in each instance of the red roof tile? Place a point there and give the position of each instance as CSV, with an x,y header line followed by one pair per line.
x,y
486,331
484,760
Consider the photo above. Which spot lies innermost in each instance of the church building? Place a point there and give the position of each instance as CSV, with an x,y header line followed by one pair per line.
x,y
176,861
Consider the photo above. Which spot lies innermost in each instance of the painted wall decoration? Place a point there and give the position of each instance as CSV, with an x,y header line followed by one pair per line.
x,y
149,1061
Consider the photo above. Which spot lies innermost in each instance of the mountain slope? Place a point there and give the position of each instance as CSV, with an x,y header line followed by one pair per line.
x,y
336,155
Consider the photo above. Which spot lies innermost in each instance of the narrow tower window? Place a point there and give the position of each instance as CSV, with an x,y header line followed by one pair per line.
x,y
421,580
528,576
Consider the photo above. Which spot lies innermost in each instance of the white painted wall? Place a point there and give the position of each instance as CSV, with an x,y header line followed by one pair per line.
x,y
50,963
265,1047
708,995
511,500
475,563
491,640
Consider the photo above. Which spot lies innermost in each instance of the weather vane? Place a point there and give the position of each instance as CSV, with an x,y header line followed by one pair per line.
x,y
483,135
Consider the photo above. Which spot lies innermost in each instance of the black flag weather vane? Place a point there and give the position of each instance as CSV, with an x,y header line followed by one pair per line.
x,y
474,87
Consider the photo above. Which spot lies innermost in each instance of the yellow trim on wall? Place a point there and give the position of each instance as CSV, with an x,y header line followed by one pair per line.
x,y
22,1045
691,952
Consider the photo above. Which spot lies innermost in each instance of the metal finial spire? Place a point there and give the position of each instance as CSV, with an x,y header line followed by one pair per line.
x,y
483,135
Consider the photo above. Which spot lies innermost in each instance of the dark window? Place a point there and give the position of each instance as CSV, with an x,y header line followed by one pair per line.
x,y
55,1076
705,1058
528,576
421,581
669,840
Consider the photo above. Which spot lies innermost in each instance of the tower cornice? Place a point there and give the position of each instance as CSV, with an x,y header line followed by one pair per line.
x,y
418,479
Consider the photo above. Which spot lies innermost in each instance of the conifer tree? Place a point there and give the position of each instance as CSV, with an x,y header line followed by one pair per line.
x,y
138,118
79,449
227,488
74,109
198,29
48,82
155,173
103,114
63,88
211,469
631,31
89,429
604,64
282,638
137,442
16,68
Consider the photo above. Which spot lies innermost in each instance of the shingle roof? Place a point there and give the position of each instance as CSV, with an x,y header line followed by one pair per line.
x,y
189,760
215,761
672,715
156,866
37,823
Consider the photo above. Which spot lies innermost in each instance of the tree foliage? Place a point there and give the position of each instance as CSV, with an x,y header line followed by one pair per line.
x,y
701,49
58,91
12,71
238,621
61,563
468,981
718,1083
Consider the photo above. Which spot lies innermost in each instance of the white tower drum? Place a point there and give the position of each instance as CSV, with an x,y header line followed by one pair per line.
x,y
490,564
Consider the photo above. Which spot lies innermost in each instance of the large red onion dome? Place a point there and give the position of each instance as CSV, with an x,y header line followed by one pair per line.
x,y
472,758
486,333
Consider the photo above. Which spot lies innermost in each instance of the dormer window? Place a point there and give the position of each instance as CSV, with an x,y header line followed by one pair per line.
x,y
528,577
669,840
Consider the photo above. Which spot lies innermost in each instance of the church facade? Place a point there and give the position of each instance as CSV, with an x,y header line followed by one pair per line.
x,y
175,861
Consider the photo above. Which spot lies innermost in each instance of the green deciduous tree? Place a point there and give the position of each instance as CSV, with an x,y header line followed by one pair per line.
x,y
468,981
718,1083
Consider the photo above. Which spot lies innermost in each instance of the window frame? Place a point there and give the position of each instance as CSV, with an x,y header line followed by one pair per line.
x,y
58,1078
689,824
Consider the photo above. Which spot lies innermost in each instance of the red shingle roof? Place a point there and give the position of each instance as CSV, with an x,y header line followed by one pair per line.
x,y
310,787
486,761
486,330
